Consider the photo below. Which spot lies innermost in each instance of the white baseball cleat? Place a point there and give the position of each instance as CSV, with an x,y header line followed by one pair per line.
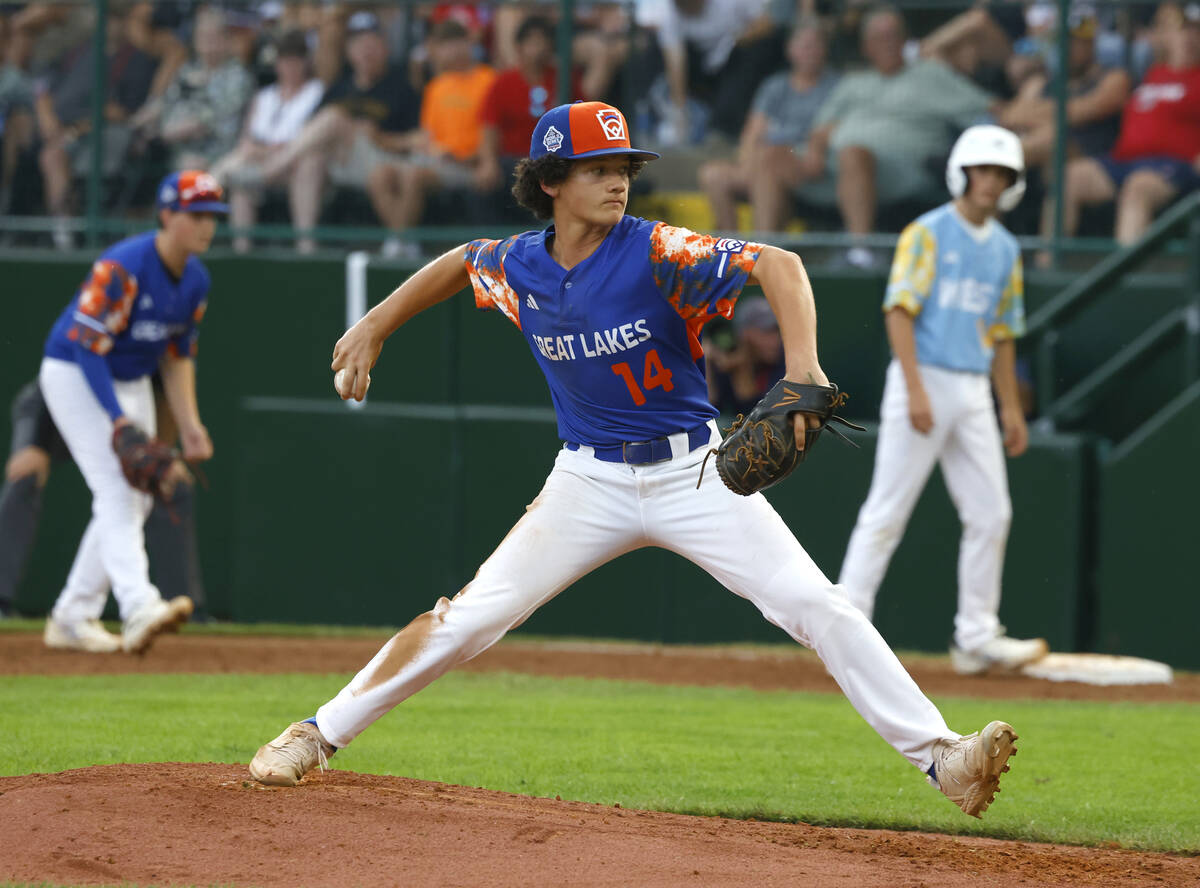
x,y
1001,652
968,770
153,620
83,635
291,755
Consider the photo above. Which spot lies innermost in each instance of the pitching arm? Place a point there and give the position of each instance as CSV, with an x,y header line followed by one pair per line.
x,y
359,348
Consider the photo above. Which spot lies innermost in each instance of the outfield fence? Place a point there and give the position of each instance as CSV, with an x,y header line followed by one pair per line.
x,y
319,513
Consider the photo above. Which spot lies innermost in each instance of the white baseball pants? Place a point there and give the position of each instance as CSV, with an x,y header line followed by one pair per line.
x,y
966,442
591,511
112,551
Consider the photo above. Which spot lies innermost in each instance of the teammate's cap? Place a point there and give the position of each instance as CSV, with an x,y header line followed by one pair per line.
x,y
1191,14
191,191
583,129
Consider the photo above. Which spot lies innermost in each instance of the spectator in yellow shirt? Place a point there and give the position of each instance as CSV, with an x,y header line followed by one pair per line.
x,y
451,136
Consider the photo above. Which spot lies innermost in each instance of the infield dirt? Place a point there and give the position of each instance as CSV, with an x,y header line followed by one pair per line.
x,y
205,824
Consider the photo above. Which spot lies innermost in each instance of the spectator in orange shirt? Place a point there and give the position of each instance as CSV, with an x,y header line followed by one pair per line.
x,y
449,147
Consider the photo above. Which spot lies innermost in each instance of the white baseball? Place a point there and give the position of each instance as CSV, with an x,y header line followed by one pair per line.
x,y
343,384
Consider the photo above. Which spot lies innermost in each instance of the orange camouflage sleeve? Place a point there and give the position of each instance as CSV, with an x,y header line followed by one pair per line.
x,y
187,344
700,275
105,302
485,267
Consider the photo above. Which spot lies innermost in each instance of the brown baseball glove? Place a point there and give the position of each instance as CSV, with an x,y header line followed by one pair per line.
x,y
760,449
147,463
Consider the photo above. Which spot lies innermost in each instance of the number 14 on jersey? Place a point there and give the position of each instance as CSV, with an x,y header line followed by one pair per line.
x,y
654,375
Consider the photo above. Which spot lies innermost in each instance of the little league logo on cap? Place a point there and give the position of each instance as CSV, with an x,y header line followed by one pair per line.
x,y
583,129
191,191
553,139
612,124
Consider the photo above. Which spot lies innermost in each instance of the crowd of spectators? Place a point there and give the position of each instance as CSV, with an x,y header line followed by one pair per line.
x,y
402,114
875,149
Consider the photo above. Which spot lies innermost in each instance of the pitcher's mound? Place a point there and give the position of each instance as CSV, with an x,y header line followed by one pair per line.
x,y
208,824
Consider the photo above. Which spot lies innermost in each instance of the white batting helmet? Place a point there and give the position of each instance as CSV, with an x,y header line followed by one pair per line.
x,y
990,145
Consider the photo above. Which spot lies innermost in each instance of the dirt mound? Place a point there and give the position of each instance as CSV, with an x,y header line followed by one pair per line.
x,y
203,824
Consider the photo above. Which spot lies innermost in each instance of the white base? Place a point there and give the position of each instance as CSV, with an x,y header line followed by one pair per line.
x,y
1098,669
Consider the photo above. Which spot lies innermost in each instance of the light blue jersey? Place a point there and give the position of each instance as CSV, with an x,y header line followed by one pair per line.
x,y
962,284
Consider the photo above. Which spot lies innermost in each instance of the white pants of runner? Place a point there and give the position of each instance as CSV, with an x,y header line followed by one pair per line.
x,y
966,441
112,552
591,511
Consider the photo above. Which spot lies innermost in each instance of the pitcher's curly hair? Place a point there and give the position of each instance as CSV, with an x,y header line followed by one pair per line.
x,y
530,175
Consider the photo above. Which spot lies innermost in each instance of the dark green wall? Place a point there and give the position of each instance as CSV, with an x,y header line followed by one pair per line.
x,y
325,514
1148,569
382,529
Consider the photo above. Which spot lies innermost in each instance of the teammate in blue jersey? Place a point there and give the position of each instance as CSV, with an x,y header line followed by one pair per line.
x,y
137,312
612,307
36,447
954,307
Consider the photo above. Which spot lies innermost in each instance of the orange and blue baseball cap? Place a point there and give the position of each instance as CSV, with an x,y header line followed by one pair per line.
x,y
583,129
191,191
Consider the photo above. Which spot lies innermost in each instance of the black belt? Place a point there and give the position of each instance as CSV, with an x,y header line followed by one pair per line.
x,y
653,451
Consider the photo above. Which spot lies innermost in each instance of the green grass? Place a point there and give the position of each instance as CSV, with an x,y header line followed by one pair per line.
x,y
1087,773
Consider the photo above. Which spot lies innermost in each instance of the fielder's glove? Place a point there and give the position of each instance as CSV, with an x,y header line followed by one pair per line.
x,y
760,449
148,464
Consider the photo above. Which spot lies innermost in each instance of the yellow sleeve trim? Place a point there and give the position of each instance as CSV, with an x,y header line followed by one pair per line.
x,y
1010,311
1001,333
902,299
913,268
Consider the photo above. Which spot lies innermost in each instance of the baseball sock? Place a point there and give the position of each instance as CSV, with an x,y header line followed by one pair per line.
x,y
313,721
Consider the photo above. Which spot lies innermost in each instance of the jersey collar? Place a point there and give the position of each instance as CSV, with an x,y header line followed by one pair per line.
x,y
979,233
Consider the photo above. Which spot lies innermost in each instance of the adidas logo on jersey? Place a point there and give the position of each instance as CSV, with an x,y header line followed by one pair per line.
x,y
531,303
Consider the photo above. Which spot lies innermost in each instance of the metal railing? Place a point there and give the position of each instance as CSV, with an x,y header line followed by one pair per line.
x,y
1044,324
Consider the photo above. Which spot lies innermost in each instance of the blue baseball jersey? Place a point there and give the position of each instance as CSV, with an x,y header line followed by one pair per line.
x,y
617,336
962,284
131,310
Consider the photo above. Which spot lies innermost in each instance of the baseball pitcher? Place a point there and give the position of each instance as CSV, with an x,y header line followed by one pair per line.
x,y
611,307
